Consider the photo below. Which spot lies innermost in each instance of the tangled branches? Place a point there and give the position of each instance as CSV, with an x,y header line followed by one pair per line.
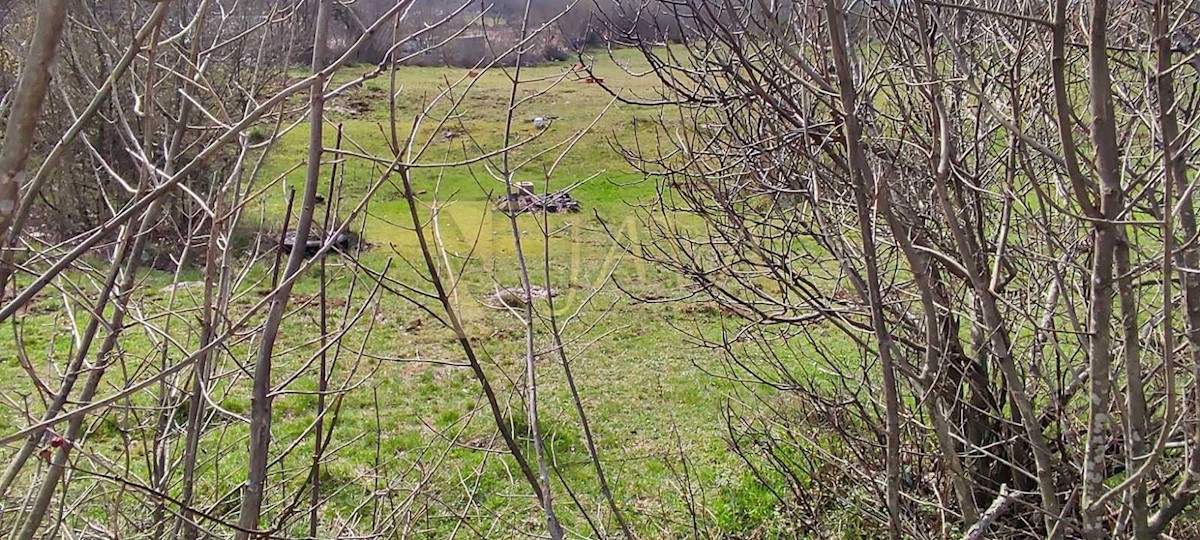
x,y
959,242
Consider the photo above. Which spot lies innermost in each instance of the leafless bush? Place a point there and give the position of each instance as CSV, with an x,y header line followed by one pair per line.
x,y
959,244
154,418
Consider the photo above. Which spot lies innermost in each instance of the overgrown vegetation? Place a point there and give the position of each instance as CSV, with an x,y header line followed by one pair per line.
x,y
842,269
406,423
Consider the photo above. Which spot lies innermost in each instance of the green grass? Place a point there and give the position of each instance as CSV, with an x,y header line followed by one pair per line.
x,y
644,386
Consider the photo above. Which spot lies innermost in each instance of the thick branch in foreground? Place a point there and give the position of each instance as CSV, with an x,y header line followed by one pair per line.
x,y
864,186
27,107
260,401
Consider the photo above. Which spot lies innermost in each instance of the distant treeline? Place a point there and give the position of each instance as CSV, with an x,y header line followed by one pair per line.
x,y
483,31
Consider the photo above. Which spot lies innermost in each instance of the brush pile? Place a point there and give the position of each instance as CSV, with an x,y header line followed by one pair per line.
x,y
525,201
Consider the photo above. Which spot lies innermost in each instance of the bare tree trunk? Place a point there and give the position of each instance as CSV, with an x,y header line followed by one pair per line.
x,y
1063,108
1136,433
1106,235
994,332
60,148
1175,155
260,401
26,109
860,176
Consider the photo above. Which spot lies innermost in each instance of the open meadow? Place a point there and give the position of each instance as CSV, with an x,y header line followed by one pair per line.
x,y
411,418
837,269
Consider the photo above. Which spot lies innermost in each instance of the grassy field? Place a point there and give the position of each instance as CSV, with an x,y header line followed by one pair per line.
x,y
645,386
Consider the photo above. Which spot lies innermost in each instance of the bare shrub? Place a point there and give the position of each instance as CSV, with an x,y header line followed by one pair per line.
x,y
153,410
959,239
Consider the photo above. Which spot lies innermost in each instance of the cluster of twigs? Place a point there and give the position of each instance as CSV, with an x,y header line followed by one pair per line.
x,y
127,428
958,244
